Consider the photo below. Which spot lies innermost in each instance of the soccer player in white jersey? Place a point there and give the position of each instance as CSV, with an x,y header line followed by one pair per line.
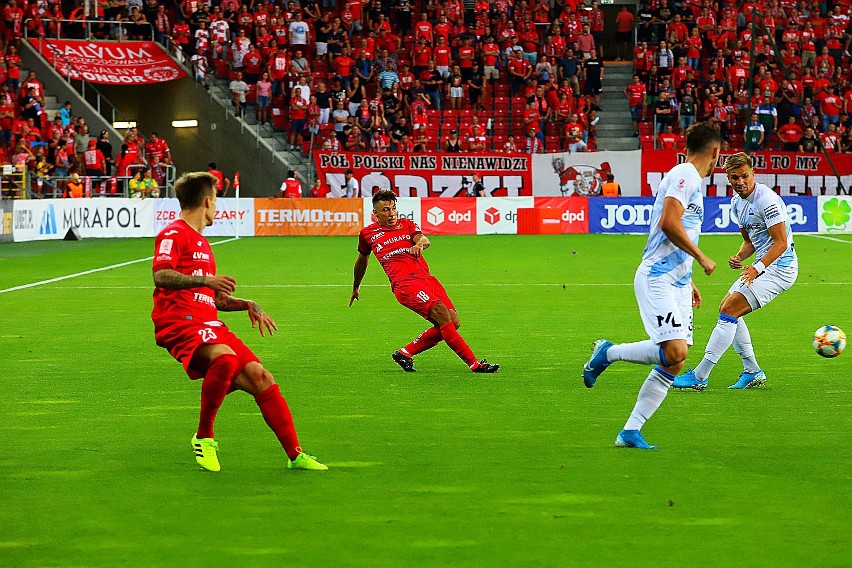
x,y
762,218
663,284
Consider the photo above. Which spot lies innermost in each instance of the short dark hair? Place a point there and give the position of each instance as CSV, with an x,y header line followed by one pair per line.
x,y
383,195
701,136
192,187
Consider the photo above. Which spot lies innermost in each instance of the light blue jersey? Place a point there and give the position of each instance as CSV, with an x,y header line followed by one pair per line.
x,y
661,258
756,213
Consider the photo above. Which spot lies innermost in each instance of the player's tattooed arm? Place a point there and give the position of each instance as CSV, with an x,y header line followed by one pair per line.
x,y
258,317
227,303
174,280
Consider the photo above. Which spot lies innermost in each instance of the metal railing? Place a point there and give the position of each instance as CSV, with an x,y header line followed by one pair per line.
x,y
85,26
85,89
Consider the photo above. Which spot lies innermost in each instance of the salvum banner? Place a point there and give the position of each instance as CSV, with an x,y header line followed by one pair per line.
x,y
110,62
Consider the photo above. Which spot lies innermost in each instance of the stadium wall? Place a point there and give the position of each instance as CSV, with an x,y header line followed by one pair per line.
x,y
46,219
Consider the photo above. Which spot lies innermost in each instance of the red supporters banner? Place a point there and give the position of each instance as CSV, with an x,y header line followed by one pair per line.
x,y
109,62
427,175
787,173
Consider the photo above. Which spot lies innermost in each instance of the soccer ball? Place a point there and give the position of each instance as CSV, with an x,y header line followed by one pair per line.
x,y
829,341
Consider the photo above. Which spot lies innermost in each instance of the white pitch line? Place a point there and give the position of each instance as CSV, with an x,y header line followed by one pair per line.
x,y
452,285
826,238
92,271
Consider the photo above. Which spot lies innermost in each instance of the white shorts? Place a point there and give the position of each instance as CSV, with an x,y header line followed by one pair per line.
x,y
666,310
322,48
767,286
456,92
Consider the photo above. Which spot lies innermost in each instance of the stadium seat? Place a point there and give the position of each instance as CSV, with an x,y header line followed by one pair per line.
x,y
553,143
647,141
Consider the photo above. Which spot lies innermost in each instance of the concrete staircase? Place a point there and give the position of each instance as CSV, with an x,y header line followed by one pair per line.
x,y
615,129
277,140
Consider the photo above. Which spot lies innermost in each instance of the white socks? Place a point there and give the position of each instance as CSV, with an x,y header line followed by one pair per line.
x,y
643,352
651,396
742,345
720,340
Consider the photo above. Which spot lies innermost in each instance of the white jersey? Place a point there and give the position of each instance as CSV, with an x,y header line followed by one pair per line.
x,y
756,213
661,258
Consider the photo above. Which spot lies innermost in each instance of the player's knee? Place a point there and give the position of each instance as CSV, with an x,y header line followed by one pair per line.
x,y
439,313
256,378
675,353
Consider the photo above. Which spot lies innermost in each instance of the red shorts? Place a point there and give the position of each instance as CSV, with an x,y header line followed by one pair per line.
x,y
420,293
182,337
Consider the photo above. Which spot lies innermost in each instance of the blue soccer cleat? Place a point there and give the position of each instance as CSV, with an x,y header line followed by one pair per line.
x,y
632,439
750,380
689,381
597,363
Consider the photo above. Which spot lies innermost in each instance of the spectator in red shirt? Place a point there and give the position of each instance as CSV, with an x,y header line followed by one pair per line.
x,y
343,65
830,106
789,134
156,146
635,93
298,117
624,32
423,29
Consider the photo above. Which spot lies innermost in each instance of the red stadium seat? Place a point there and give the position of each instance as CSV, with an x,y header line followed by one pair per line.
x,y
553,143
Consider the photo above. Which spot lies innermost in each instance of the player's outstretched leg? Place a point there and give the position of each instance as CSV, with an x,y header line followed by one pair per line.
x,y
460,346
260,383
751,376
605,353
221,371
651,396
426,340
720,340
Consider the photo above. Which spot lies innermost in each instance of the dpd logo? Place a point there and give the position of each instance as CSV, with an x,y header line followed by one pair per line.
x,y
435,215
492,215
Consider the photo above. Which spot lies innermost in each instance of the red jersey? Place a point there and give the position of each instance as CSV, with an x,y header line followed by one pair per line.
x,y
391,247
156,148
180,247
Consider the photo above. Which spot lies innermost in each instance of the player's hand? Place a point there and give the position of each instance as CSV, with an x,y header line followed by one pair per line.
x,y
735,262
416,251
221,283
261,319
356,295
748,275
708,264
696,297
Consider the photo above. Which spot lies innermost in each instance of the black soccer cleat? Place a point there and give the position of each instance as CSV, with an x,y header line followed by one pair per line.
x,y
485,367
407,363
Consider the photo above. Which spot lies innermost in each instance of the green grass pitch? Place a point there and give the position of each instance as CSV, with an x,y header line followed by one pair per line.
x,y
438,468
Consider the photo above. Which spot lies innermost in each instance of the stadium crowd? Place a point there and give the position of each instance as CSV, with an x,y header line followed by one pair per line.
x,y
406,76
57,152
457,75
693,62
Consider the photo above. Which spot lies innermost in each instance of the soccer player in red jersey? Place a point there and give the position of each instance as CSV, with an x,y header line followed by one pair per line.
x,y
398,245
187,298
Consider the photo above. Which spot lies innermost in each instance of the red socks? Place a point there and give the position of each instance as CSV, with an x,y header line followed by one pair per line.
x,y
457,343
277,415
426,340
223,369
